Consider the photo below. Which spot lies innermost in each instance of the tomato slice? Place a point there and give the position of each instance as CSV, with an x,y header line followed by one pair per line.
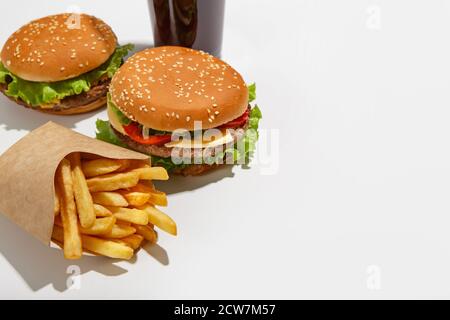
x,y
134,133
238,122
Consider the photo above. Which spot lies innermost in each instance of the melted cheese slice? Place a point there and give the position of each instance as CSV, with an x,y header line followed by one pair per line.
x,y
50,105
225,138
184,143
114,121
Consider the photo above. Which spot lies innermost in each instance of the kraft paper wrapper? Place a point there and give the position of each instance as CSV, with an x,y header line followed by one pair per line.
x,y
27,173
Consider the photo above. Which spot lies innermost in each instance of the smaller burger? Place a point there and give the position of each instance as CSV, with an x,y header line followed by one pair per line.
x,y
188,110
61,64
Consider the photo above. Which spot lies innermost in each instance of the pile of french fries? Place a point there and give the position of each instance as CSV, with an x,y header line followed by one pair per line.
x,y
107,207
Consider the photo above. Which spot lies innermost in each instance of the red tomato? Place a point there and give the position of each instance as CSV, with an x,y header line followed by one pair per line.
x,y
134,133
238,122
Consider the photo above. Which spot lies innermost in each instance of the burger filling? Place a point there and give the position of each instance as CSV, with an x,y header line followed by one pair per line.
x,y
89,86
120,130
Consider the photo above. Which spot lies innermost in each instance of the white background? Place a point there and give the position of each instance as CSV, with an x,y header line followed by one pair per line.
x,y
359,206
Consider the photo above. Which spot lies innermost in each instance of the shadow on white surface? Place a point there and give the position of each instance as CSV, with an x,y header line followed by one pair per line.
x,y
139,46
158,253
178,184
40,265
17,117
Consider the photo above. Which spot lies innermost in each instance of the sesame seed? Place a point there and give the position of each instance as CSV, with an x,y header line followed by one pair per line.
x,y
188,118
62,69
153,109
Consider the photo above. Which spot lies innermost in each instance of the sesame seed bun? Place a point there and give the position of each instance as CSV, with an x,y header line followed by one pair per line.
x,y
168,88
58,47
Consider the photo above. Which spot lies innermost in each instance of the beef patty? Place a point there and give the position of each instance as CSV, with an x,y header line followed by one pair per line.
x,y
97,91
165,152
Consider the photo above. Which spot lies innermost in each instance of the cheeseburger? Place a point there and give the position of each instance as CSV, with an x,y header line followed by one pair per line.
x,y
188,110
60,64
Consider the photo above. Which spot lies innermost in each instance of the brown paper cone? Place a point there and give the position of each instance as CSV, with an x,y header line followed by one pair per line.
x,y
27,173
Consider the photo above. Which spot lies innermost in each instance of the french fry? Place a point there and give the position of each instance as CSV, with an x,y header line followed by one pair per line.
x,y
160,219
100,167
135,216
152,173
124,165
57,202
119,231
147,232
113,181
83,198
135,198
135,164
143,186
123,223
133,241
72,239
100,246
157,198
107,248
101,226
106,206
58,234
101,211
113,199
57,221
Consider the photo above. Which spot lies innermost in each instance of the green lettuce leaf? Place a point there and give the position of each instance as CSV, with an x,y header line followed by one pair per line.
x,y
252,92
166,163
39,93
105,133
120,116
249,142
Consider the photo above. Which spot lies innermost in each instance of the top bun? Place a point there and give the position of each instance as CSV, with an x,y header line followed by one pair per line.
x,y
58,47
168,88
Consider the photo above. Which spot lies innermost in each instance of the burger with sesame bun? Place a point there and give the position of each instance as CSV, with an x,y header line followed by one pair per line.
x,y
61,64
188,110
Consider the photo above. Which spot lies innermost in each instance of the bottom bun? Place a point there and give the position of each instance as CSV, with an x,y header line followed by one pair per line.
x,y
76,110
196,169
